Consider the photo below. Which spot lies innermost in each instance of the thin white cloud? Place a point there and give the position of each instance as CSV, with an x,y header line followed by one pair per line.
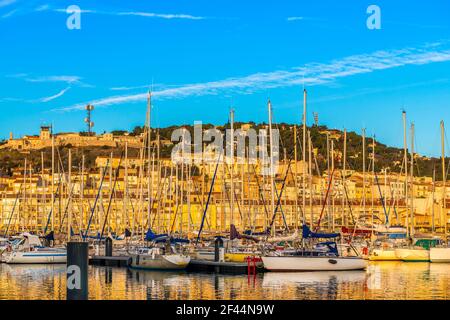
x,y
161,15
310,74
81,11
127,88
53,97
4,3
295,18
67,79
169,16
43,7
9,14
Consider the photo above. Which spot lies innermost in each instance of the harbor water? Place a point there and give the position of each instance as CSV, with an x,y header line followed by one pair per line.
x,y
381,280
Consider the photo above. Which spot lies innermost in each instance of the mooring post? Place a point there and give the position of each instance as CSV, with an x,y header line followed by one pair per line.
x,y
108,247
77,270
218,249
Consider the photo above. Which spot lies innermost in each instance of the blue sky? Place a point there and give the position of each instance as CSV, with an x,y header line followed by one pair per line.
x,y
203,56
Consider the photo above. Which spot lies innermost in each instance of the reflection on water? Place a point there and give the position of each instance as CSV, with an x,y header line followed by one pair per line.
x,y
382,280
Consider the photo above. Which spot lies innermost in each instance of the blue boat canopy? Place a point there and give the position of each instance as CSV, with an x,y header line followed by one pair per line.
x,y
307,233
151,236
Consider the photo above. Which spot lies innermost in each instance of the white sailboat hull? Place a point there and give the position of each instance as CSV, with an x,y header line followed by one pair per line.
x,y
35,257
301,263
440,254
160,262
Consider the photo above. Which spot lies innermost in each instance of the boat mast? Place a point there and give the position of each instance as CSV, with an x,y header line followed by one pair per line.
x,y
53,180
82,195
405,161
149,177
295,176
329,179
24,217
433,197
304,156
272,191
373,180
412,180
44,190
364,169
69,187
332,186
310,178
125,193
444,178
231,154
344,167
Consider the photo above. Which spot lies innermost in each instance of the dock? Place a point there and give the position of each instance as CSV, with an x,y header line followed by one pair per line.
x,y
111,261
221,267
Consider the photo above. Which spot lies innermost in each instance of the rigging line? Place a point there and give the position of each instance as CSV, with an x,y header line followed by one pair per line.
x,y
382,199
279,201
197,191
209,198
235,197
12,211
260,192
112,194
56,194
96,199
348,200
325,201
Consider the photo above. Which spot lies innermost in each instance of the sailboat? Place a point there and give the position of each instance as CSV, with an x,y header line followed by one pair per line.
x,y
157,257
323,256
28,249
441,253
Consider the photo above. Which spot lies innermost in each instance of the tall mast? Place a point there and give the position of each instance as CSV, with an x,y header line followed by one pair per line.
x,y
295,176
44,190
24,221
53,180
329,179
272,191
364,169
373,179
332,185
405,161
310,178
82,194
231,142
412,180
149,141
69,187
444,178
304,154
432,199
344,171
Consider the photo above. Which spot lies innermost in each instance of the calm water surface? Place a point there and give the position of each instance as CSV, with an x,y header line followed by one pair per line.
x,y
382,280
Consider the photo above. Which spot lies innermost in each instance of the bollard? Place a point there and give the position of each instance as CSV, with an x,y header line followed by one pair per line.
x,y
77,270
108,247
218,244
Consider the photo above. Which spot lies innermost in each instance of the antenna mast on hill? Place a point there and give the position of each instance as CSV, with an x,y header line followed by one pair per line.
x,y
89,123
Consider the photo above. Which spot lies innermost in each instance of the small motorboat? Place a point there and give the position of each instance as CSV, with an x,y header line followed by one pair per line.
x,y
159,258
